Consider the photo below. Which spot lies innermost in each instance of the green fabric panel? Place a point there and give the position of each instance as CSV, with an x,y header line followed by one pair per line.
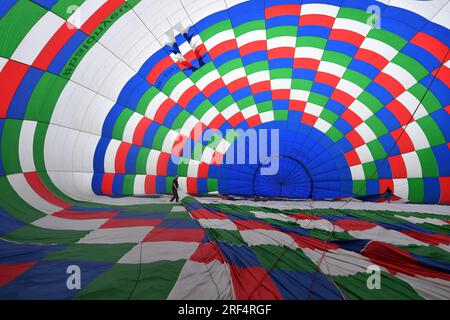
x,y
15,25
141,162
354,14
417,185
128,185
318,99
159,138
283,258
228,236
431,252
309,41
334,134
428,163
388,37
256,67
215,29
14,205
391,288
281,31
212,185
10,146
32,234
44,98
92,252
119,126
249,26
280,73
145,100
65,8
337,57
359,187
149,281
432,131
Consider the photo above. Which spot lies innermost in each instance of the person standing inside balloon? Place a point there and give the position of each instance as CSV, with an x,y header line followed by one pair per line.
x,y
175,190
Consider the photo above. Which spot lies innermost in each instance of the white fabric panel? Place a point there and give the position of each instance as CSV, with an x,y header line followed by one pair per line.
x,y
315,8
352,25
116,235
199,9
361,110
322,125
272,215
230,111
250,111
299,95
427,9
384,235
130,127
259,76
219,38
411,102
280,84
365,132
202,281
412,163
180,89
158,251
169,141
217,224
401,188
430,288
338,262
77,185
308,52
417,220
321,224
417,136
110,155
281,42
152,162
83,152
207,155
400,74
24,190
364,153
36,39
57,223
267,116
188,126
139,185
357,172
84,12
332,68
129,39
3,62
207,79
251,36
233,75
313,109
209,116
26,143
102,72
350,88
154,105
259,237
379,47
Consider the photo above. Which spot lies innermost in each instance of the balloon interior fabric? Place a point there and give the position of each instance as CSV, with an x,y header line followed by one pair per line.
x,y
103,103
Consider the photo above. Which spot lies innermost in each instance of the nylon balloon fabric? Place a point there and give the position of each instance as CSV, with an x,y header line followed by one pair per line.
x,y
103,103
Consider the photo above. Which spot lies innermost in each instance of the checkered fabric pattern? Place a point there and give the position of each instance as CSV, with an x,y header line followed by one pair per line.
x,y
219,251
